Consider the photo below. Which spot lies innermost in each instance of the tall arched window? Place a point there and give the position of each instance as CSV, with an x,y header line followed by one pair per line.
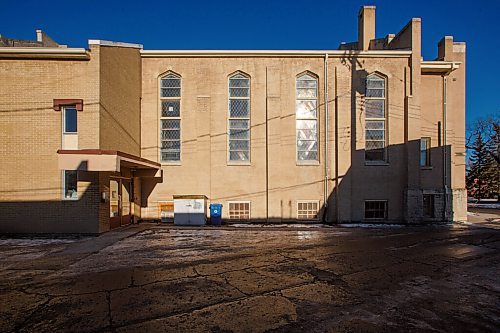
x,y
239,118
375,118
306,114
170,117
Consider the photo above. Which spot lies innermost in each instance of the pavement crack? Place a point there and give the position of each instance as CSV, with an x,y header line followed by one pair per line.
x,y
110,317
233,286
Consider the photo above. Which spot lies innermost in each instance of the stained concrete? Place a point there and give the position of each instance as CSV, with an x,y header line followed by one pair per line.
x,y
168,279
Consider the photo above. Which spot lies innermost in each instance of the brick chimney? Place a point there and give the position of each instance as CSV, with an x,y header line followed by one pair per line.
x,y
366,27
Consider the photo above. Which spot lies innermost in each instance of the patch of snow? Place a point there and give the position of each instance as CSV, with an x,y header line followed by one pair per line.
x,y
484,205
372,225
242,225
35,241
472,214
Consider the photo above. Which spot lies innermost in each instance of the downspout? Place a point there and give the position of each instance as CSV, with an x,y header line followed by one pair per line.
x,y
267,152
445,148
445,187
325,194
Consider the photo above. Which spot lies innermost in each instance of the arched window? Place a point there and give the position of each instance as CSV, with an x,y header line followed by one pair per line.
x,y
239,118
306,114
375,118
170,117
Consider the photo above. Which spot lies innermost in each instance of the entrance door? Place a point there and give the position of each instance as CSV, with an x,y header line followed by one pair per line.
x,y
119,202
126,214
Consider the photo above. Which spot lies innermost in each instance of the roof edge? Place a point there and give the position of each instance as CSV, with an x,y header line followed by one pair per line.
x,y
275,53
115,44
44,53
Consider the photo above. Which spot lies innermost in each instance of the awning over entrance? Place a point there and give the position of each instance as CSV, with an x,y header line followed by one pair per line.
x,y
102,160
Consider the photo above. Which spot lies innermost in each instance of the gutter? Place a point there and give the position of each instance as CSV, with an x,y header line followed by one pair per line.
x,y
44,53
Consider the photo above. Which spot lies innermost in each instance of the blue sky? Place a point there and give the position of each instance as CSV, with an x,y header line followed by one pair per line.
x,y
257,24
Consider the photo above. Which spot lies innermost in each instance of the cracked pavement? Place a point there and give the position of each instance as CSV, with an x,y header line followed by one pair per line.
x,y
154,278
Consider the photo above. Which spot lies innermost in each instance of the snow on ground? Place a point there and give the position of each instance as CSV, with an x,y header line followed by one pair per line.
x,y
484,205
36,241
305,225
371,225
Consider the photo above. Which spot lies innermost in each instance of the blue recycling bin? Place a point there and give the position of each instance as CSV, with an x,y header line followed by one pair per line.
x,y
215,214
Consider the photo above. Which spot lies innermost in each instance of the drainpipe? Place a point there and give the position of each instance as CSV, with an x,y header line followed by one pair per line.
x,y
267,152
325,194
445,187
445,149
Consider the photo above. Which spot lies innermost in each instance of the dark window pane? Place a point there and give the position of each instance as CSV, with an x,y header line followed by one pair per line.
x,y
70,184
70,120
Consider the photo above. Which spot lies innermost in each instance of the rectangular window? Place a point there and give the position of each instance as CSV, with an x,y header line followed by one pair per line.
x,y
70,180
170,118
375,119
239,118
307,209
306,115
239,210
70,120
428,205
376,209
425,152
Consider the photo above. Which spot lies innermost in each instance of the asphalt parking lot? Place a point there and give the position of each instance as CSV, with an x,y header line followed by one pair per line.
x,y
152,278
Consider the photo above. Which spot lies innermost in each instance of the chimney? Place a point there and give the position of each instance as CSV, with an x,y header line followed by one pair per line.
x,y
366,27
445,48
39,35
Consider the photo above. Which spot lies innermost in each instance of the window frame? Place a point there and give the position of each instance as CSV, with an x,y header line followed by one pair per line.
x,y
64,183
428,162
229,118
316,218
64,117
239,202
384,119
161,98
315,161
386,210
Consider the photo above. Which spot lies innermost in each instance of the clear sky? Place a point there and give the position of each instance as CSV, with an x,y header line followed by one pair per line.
x,y
269,24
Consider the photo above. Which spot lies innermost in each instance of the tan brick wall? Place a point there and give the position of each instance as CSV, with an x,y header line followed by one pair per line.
x,y
30,135
204,168
120,93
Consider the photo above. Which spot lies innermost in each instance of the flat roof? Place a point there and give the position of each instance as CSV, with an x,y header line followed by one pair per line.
x,y
276,53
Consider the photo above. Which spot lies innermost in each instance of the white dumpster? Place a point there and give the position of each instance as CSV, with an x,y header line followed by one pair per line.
x,y
190,209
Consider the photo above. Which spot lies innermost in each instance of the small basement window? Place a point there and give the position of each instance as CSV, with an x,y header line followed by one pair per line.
x,y
428,205
239,210
307,209
70,180
376,209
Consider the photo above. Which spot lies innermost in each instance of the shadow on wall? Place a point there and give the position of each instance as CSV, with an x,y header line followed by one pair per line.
x,y
53,216
384,183
387,181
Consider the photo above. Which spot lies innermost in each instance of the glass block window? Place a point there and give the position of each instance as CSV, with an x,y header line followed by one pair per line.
x,y
307,210
70,181
306,115
239,118
425,152
375,118
239,210
170,118
376,209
